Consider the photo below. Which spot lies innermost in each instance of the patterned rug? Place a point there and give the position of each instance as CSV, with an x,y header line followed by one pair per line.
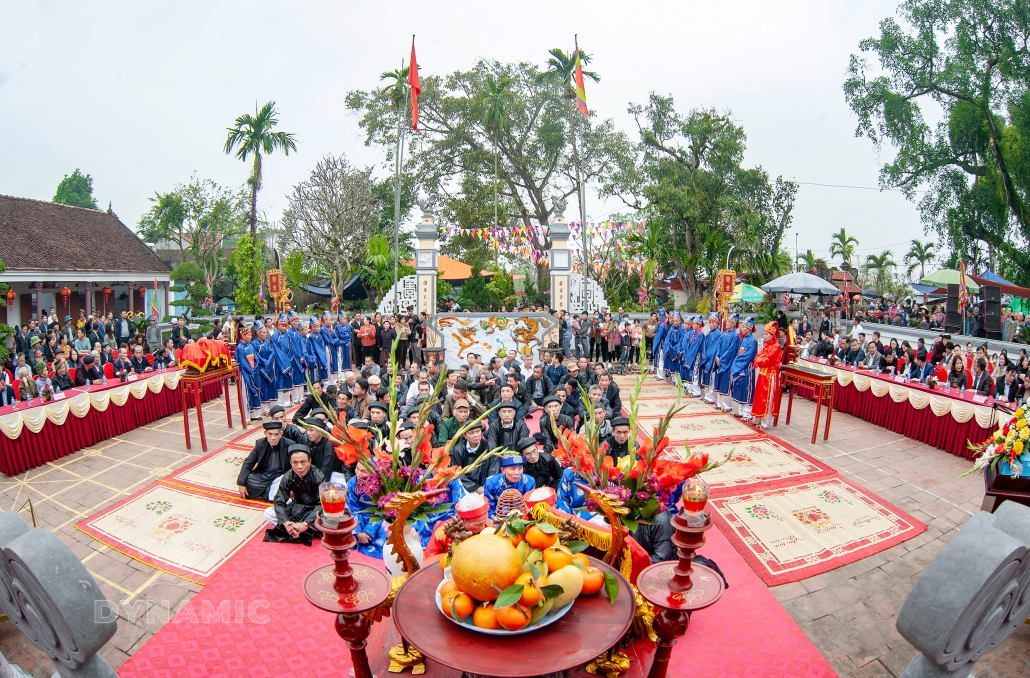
x,y
710,426
658,406
217,472
177,529
799,531
757,464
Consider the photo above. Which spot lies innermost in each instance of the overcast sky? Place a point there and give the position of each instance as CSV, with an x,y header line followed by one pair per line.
x,y
139,94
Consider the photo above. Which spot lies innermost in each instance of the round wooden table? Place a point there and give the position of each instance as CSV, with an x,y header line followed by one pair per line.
x,y
591,627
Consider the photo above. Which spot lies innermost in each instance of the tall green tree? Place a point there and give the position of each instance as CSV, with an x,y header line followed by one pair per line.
x,y
76,190
688,180
969,59
843,245
248,275
377,270
454,144
919,255
496,100
201,218
881,266
253,135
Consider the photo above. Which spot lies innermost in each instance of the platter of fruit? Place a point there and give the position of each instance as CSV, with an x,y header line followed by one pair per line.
x,y
498,588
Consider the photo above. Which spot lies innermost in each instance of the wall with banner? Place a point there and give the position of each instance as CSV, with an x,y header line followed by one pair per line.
x,y
492,334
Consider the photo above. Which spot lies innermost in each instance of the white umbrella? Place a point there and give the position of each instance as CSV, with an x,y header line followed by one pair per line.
x,y
800,283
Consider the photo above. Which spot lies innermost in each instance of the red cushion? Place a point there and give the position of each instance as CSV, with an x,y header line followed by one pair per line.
x,y
109,370
71,374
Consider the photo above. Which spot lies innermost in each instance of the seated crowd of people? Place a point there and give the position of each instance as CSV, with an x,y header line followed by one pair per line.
x,y
286,466
998,375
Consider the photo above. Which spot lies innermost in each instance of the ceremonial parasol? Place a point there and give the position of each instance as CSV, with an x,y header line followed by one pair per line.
x,y
800,283
747,293
949,276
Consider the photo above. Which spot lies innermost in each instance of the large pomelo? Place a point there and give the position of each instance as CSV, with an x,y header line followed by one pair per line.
x,y
482,562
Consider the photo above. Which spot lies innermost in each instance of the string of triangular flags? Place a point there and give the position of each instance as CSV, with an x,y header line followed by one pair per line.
x,y
523,241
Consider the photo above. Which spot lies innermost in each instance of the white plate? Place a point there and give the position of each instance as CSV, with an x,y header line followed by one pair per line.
x,y
549,618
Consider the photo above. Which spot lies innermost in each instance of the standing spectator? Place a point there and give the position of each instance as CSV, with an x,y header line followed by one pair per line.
x,y
367,338
386,336
122,330
153,336
82,344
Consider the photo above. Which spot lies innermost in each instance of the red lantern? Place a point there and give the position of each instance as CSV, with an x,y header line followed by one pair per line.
x,y
65,293
107,292
11,294
142,290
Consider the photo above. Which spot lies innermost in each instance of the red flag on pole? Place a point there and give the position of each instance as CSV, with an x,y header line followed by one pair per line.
x,y
581,95
415,86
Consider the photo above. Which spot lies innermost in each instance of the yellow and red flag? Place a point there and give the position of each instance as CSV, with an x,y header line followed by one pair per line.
x,y
416,88
581,95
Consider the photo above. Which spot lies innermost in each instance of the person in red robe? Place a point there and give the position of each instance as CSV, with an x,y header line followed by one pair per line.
x,y
767,370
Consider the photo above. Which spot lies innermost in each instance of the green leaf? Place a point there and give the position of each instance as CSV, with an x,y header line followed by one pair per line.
x,y
519,525
577,546
547,528
454,611
611,587
552,591
509,596
510,529
535,570
630,524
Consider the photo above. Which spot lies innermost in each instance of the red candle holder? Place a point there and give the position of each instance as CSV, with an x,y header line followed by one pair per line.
x,y
347,589
334,503
678,588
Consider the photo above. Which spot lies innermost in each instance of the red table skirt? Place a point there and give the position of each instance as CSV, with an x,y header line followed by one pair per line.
x,y
923,425
53,442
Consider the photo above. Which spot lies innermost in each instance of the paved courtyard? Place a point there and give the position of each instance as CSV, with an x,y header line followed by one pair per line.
x,y
849,612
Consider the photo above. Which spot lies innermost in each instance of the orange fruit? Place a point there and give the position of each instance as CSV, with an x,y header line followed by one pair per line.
x,y
512,617
531,593
539,539
448,587
443,562
460,602
516,540
581,559
593,581
556,557
484,617
484,565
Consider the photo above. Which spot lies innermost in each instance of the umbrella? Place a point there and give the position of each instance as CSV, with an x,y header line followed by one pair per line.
x,y
747,293
994,277
949,276
870,293
801,283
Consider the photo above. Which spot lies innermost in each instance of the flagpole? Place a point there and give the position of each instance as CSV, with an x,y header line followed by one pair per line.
x,y
397,197
584,232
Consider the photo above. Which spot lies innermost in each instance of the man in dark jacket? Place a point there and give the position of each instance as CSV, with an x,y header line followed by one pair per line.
x,y
88,371
619,444
266,462
538,386
467,451
655,537
610,392
552,412
323,454
506,431
296,502
541,466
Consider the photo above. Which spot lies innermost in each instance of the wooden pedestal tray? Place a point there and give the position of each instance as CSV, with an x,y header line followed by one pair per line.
x,y
191,388
822,386
678,589
589,629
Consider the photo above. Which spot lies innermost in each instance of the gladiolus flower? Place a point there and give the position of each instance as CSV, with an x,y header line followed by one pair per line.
x,y
355,444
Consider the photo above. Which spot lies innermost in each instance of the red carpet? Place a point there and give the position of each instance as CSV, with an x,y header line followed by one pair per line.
x,y
252,620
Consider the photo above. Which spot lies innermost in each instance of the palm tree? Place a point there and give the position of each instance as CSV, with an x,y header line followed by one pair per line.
x,y
650,245
496,99
253,135
561,69
377,270
808,260
883,264
843,245
396,92
918,255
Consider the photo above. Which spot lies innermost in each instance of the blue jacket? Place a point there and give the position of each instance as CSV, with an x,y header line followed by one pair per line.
x,y
570,498
672,341
316,345
246,370
659,335
711,348
688,334
497,483
266,356
920,375
728,345
343,334
283,352
555,374
693,347
746,353
298,350
375,529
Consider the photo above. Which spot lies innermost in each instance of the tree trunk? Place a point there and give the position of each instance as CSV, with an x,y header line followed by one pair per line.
x,y
254,187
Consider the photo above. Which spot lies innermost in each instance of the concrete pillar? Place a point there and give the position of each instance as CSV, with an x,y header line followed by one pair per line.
x,y
132,297
88,287
560,261
426,261
38,286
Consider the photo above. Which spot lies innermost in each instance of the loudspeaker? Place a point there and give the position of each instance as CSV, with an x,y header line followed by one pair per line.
x,y
951,305
991,310
991,293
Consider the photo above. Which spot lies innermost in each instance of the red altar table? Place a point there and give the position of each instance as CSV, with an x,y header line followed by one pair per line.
x,y
590,628
33,435
944,419
191,395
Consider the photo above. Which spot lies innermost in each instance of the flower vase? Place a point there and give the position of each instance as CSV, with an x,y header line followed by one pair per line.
x,y
393,565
